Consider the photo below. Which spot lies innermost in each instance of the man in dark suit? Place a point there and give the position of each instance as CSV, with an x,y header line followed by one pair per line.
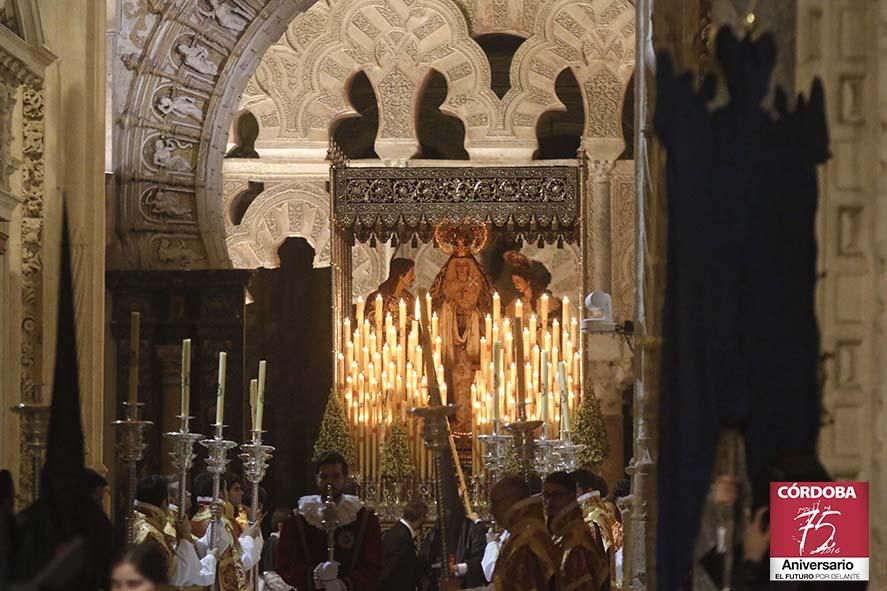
x,y
465,567
401,567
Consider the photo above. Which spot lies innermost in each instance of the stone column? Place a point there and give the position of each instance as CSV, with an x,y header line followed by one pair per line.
x,y
597,241
608,371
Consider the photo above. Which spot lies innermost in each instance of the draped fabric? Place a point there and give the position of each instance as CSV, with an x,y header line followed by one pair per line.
x,y
741,343
65,514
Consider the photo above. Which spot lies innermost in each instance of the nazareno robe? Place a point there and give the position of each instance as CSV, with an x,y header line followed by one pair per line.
x,y
358,544
740,339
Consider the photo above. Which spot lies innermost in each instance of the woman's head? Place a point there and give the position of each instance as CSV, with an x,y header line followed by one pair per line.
x,y
522,281
142,567
401,271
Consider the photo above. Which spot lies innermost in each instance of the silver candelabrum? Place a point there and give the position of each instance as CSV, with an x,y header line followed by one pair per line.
x,y
183,455
130,450
216,462
255,458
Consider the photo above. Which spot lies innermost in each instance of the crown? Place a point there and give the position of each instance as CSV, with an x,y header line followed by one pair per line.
x,y
462,239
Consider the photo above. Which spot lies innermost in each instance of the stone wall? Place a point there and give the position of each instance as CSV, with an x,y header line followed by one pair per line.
x,y
844,43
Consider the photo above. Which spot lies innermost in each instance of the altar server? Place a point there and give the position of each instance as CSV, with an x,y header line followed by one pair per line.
x,y
302,553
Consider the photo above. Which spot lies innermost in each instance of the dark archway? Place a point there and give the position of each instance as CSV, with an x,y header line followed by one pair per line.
x,y
628,121
357,135
246,130
500,49
560,132
243,200
441,136
289,303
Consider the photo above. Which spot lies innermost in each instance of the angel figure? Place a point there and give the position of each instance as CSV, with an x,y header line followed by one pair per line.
x,y
181,106
165,157
197,57
229,17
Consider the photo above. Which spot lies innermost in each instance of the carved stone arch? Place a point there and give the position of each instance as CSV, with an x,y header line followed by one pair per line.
x,y
595,38
203,54
282,211
395,43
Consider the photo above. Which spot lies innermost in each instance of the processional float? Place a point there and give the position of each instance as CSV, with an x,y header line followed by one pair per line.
x,y
380,359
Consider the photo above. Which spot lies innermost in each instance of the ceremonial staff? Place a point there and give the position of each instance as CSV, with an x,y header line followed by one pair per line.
x,y
255,455
522,429
217,458
435,433
183,440
330,522
131,441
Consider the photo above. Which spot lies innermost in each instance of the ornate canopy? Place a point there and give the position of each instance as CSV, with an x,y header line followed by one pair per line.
x,y
539,202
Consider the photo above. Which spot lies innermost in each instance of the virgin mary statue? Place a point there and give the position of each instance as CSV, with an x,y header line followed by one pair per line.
x,y
461,294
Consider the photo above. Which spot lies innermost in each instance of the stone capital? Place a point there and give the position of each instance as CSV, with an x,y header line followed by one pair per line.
x,y
601,170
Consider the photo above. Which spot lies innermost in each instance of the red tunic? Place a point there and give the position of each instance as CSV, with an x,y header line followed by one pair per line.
x,y
303,545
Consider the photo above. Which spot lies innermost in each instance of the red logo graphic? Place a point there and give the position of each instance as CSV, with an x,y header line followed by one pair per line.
x,y
819,531
819,519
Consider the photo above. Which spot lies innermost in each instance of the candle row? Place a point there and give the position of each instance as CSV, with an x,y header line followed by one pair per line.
x,y
380,371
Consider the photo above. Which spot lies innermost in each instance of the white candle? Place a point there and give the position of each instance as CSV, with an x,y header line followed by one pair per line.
x,y
379,313
497,368
359,315
253,395
543,310
260,398
543,386
565,403
220,397
186,376
497,307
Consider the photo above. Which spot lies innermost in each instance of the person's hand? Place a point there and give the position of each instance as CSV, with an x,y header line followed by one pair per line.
x,y
183,529
617,535
326,571
256,528
492,536
756,540
725,489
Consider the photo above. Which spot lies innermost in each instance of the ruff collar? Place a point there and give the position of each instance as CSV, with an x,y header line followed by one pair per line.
x,y
311,508
589,495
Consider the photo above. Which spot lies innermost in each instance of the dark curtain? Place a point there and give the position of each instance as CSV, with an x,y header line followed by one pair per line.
x,y
741,343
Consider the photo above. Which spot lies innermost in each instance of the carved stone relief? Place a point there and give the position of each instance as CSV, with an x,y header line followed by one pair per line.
x,y
32,241
8,163
178,76
622,224
281,211
382,37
